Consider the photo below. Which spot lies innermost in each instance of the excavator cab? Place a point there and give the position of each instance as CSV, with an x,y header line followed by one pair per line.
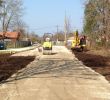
x,y
47,43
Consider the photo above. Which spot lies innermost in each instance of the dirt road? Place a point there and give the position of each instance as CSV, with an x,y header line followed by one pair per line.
x,y
56,77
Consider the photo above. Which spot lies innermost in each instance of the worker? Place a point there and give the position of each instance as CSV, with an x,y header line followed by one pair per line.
x,y
47,44
83,42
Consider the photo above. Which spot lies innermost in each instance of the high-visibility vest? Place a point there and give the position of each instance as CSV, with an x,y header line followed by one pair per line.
x,y
47,44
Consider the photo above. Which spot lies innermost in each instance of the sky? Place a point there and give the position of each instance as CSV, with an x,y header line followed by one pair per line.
x,y
43,16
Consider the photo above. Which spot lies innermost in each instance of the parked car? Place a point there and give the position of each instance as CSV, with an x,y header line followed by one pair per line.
x,y
2,45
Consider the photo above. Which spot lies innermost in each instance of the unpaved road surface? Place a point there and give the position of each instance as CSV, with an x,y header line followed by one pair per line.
x,y
56,77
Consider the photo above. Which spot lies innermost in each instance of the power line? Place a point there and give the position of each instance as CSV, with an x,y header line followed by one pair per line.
x,y
44,28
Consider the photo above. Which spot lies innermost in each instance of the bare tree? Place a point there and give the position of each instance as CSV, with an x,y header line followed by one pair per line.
x,y
10,9
21,27
67,26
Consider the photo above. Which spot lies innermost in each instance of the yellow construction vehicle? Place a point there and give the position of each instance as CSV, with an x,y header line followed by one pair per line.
x,y
47,44
78,43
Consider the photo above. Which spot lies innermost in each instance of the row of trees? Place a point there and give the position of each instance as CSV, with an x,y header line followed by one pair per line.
x,y
97,22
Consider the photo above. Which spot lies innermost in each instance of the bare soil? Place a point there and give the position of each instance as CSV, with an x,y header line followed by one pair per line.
x,y
11,64
97,60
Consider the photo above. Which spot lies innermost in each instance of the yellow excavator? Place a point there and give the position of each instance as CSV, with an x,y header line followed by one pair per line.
x,y
47,44
78,43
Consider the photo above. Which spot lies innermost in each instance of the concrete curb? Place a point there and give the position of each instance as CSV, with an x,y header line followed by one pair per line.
x,y
17,50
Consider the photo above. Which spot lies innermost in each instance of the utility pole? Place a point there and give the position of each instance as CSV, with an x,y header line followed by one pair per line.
x,y
57,31
65,27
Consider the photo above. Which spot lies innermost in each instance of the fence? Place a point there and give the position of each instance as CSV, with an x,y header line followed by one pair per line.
x,y
17,44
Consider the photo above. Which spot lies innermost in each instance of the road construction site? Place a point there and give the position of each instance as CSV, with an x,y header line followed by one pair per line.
x,y
60,76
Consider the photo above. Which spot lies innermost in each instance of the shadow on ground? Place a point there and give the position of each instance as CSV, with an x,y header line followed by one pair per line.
x,y
11,64
98,63
49,53
58,68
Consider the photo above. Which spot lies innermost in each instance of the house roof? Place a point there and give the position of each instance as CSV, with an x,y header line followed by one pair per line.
x,y
11,35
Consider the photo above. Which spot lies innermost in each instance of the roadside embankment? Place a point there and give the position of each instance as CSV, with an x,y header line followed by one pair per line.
x,y
97,60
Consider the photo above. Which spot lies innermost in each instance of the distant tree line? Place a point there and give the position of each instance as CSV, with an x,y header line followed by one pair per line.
x,y
60,36
97,22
